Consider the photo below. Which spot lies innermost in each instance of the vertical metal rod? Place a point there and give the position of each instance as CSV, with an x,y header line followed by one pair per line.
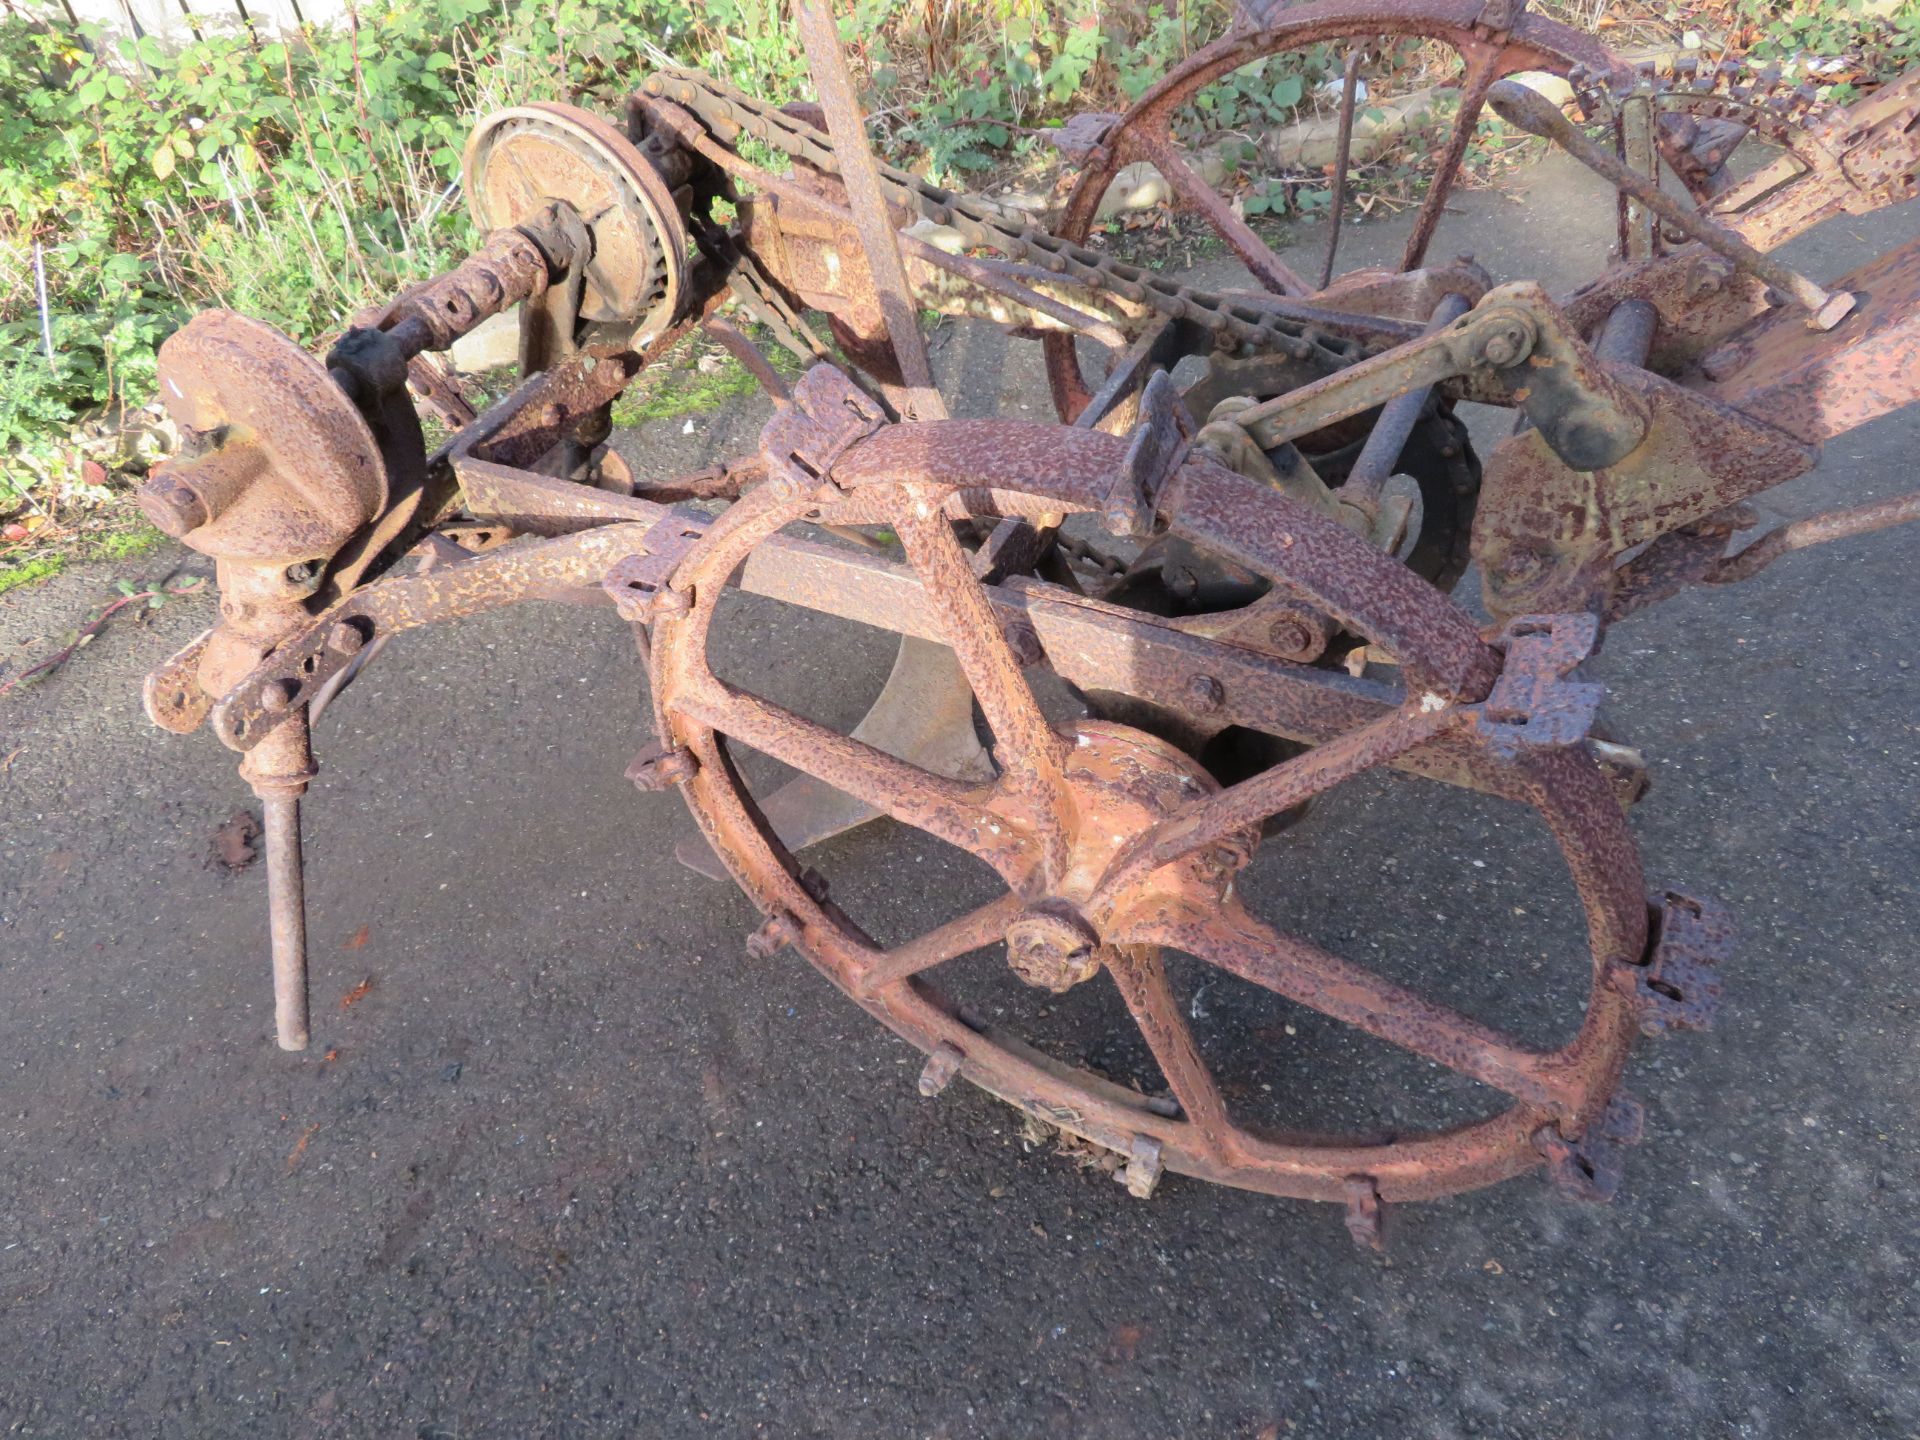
x,y
287,912
821,36
1380,456
1482,67
1343,156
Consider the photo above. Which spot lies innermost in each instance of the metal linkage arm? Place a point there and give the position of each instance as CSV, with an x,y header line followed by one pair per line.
x,y
1515,339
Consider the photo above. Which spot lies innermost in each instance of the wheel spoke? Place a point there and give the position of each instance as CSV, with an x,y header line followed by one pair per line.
x,y
972,931
1483,67
1342,162
1029,752
1290,783
951,810
1268,268
1236,942
1141,976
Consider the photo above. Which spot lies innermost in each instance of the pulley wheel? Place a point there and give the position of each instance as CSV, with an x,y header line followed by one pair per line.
x,y
520,159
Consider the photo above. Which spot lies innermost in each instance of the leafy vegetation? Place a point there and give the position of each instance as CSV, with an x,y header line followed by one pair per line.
x,y
297,179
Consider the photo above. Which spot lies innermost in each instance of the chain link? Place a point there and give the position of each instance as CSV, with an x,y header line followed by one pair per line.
x,y
1245,325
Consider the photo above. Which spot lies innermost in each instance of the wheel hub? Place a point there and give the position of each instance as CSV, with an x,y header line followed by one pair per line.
x,y
1123,782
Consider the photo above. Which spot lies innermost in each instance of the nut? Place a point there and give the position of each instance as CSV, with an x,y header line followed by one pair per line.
x,y
774,934
1025,645
1291,638
1508,342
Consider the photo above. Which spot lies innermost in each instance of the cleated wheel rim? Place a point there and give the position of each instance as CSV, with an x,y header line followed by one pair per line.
x,y
1145,131
1166,882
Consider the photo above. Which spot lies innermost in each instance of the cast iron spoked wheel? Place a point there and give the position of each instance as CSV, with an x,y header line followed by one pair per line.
x,y
1110,846
1145,131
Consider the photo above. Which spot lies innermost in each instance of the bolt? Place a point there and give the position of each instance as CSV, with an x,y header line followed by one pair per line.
x,y
1835,308
659,767
278,695
346,638
1290,636
1025,645
1205,694
173,508
775,933
1719,364
1706,278
1508,343
664,602
1520,566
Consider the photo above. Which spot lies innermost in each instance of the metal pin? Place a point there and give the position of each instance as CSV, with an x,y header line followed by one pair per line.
x,y
1143,1168
942,1065
287,916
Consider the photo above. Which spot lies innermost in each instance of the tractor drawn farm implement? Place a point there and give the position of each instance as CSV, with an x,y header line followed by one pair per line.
x,y
1245,578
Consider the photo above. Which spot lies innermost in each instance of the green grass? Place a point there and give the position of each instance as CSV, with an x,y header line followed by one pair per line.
x,y
683,391
32,570
676,385
123,542
137,539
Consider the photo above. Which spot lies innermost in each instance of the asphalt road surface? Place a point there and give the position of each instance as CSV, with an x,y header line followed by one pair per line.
x,y
574,1166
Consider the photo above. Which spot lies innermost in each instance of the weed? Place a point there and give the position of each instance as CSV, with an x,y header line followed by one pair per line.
x,y
33,568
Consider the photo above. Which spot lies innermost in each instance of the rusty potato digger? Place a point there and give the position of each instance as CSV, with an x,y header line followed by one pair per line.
x,y
1235,549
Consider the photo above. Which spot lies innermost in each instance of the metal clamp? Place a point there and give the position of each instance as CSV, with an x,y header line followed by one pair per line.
x,y
639,585
1533,703
1590,1168
805,440
1677,987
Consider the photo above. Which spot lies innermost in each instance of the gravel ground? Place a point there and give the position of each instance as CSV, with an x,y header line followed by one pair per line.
x,y
574,1166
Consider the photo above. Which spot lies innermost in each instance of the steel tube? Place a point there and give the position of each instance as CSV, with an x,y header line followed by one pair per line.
x,y
287,912
1380,456
1627,335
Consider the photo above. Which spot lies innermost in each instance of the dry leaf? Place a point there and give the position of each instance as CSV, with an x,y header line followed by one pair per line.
x,y
357,993
359,939
293,1160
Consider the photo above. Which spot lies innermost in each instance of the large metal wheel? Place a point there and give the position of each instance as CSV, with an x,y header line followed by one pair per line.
x,y
1145,131
1111,847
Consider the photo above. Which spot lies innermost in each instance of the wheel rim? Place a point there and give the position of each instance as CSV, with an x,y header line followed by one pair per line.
x,y
1160,906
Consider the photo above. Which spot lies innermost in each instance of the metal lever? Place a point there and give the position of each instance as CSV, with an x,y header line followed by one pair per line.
x,y
1534,113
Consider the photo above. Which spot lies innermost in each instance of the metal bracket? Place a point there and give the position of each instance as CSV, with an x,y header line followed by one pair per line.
x,y
805,440
1590,1168
1678,987
1159,445
1366,1215
1533,703
639,585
